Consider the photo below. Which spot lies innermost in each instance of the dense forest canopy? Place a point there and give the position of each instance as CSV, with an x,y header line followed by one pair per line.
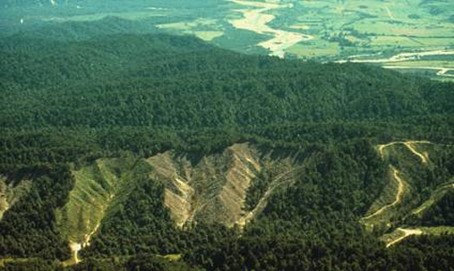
x,y
73,98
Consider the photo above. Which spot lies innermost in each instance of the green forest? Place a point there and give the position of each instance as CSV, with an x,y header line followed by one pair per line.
x,y
71,98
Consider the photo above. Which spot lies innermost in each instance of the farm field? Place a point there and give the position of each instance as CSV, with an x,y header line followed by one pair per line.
x,y
329,30
342,29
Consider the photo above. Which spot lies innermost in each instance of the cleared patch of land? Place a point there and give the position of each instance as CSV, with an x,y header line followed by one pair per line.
x,y
195,190
370,27
402,31
256,18
96,187
204,28
208,35
215,188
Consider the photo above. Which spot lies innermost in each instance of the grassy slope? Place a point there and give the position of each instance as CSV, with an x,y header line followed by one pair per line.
x,y
96,188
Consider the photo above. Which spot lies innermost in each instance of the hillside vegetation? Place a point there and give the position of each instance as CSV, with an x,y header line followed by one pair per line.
x,y
421,182
157,151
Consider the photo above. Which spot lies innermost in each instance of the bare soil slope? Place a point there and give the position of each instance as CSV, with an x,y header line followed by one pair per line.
x,y
214,189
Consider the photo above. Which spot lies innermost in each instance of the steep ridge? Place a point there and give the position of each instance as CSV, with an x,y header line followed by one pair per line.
x,y
10,194
214,189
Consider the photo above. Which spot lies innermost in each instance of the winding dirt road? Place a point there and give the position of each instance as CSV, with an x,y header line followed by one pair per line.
x,y
441,71
410,145
399,195
407,233
403,57
401,233
75,248
400,182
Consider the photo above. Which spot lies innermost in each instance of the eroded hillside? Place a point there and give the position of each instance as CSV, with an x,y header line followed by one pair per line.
x,y
211,189
233,186
95,190
215,188
11,193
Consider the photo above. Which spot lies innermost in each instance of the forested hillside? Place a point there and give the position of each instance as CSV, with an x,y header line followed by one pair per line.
x,y
122,150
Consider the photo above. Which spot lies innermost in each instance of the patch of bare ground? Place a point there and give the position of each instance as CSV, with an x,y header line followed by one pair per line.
x,y
214,189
